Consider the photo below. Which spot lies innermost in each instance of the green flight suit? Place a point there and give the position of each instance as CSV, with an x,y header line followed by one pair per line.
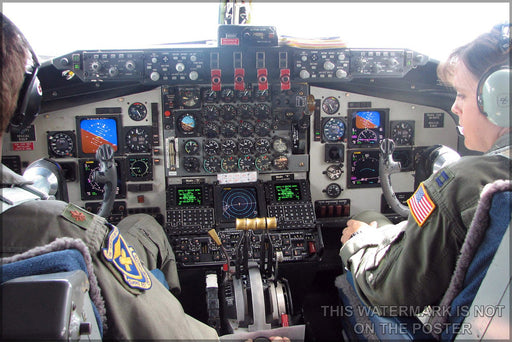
x,y
132,314
400,269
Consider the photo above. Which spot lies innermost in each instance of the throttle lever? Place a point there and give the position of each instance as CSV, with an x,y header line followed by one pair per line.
x,y
107,175
388,166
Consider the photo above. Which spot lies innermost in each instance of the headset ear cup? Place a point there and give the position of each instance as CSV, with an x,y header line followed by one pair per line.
x,y
29,101
493,96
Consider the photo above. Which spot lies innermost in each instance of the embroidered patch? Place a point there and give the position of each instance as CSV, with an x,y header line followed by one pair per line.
x,y
443,178
421,205
126,261
78,216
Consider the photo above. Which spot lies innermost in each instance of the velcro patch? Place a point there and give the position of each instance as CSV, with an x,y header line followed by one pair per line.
x,y
126,261
421,205
77,215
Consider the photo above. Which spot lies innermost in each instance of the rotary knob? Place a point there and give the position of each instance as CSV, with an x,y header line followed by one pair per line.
x,y
113,71
340,73
193,75
328,65
130,65
304,74
154,76
96,66
180,67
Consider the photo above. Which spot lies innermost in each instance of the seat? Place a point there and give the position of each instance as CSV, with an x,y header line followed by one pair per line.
x,y
476,304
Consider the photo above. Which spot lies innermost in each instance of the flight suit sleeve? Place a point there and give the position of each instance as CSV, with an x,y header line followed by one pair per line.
x,y
409,266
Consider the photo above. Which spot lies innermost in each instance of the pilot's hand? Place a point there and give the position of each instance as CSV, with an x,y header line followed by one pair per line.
x,y
353,226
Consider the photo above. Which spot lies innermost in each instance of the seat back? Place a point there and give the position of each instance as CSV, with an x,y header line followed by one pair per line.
x,y
487,278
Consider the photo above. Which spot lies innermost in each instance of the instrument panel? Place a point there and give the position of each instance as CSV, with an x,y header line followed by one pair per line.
x,y
347,129
227,133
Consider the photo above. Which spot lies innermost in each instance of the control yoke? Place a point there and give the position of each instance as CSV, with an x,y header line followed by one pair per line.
x,y
388,166
107,175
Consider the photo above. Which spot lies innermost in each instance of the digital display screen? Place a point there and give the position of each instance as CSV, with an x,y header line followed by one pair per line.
x,y
92,190
364,170
367,127
239,203
287,192
95,132
189,196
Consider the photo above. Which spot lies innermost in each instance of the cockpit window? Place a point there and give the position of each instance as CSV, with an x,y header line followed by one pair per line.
x,y
430,28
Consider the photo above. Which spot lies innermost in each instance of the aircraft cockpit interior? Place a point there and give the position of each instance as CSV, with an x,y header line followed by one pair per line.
x,y
252,152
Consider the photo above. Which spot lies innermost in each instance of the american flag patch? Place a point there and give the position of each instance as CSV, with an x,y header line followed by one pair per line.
x,y
421,205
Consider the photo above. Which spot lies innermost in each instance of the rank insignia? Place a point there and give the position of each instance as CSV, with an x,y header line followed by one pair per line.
x,y
443,178
421,205
78,216
125,260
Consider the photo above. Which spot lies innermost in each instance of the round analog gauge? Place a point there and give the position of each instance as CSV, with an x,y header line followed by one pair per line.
x,y
137,111
229,164
330,105
211,130
137,140
211,147
246,129
402,132
191,164
191,147
262,111
246,163
262,129
263,163
246,111
227,95
280,163
333,190
262,145
279,145
189,97
334,172
262,95
210,95
211,164
367,136
228,129
228,147
244,95
187,123
245,146
228,112
61,144
334,129
211,113
139,167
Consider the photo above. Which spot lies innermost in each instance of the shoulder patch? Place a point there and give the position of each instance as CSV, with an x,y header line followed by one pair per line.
x,y
125,261
444,177
421,205
77,215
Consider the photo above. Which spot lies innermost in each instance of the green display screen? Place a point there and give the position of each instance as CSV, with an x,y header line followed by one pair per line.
x,y
287,192
189,196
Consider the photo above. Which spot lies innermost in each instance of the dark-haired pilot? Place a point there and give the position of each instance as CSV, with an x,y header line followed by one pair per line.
x,y
410,264
138,306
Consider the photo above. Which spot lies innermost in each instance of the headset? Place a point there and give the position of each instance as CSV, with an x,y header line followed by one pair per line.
x,y
31,93
493,91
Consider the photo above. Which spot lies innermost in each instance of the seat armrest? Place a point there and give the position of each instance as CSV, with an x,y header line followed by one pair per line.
x,y
53,306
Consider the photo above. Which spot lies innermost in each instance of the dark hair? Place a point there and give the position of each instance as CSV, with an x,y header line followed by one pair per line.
x,y
489,50
13,62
